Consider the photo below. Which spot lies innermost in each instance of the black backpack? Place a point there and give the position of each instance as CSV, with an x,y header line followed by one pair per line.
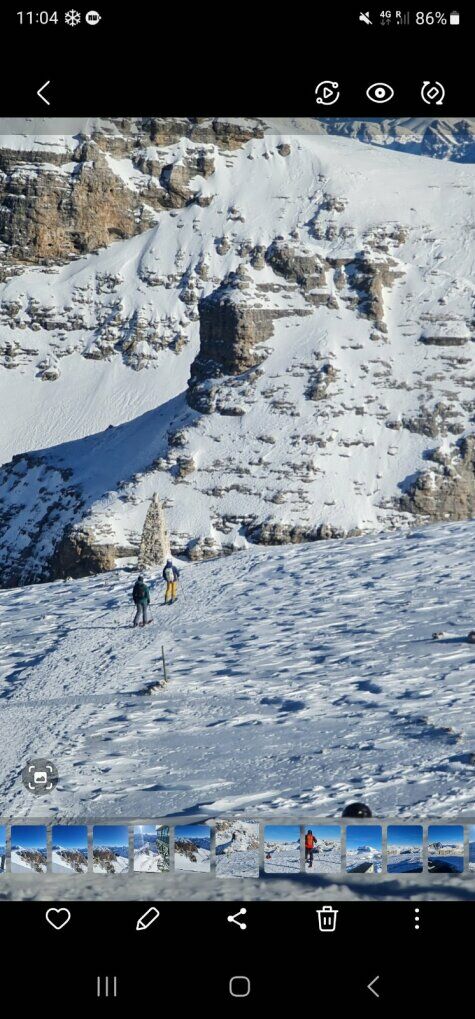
x,y
140,591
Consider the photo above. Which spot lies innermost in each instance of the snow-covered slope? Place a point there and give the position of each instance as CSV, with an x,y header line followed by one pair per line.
x,y
327,859
352,359
300,679
409,862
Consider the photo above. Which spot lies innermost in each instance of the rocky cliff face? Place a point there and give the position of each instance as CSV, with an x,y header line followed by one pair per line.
x,y
236,320
55,205
53,212
286,354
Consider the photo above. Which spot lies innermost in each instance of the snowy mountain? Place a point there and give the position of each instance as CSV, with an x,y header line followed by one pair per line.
x,y
237,849
282,846
364,859
111,860
192,854
272,331
444,849
236,837
69,861
148,860
28,860
449,138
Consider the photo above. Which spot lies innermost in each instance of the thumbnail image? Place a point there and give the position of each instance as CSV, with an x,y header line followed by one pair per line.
x,y
237,849
364,845
192,847
3,847
281,849
471,847
29,852
445,849
405,849
110,849
322,848
70,853
151,848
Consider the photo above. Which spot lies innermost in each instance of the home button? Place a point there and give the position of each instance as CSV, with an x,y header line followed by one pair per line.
x,y
239,987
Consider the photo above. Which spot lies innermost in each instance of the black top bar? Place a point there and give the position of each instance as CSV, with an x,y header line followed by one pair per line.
x,y
140,62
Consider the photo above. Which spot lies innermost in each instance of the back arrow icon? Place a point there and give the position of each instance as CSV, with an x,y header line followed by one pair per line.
x,y
40,93
371,987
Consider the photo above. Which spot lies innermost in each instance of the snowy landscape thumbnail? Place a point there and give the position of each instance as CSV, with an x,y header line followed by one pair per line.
x,y
281,849
70,854
29,849
193,847
110,849
364,845
471,848
404,849
151,848
237,849
322,844
445,851
3,847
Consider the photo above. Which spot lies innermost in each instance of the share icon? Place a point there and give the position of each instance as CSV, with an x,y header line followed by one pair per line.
x,y
239,923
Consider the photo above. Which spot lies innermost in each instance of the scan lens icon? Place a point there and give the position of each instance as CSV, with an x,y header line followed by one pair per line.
x,y
380,92
40,776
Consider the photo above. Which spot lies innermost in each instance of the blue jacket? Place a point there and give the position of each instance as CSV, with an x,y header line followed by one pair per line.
x,y
176,573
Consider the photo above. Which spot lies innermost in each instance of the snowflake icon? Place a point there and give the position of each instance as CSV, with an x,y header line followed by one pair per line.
x,y
72,18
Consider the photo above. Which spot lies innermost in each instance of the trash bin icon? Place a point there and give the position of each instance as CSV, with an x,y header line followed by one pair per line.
x,y
327,918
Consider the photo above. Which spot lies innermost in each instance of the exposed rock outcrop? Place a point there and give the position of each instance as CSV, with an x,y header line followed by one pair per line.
x,y
79,555
155,543
446,491
438,420
320,380
296,263
444,332
236,320
274,533
368,274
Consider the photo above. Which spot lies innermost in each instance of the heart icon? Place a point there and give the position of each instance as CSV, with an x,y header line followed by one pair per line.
x,y
58,918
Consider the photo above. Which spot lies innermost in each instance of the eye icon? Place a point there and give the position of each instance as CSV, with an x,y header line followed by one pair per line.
x,y
380,92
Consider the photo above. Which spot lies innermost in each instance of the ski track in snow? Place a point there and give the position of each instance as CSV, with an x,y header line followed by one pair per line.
x,y
300,678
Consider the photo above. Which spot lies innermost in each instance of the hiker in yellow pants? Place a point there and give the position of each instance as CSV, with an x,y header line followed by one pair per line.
x,y
171,591
171,575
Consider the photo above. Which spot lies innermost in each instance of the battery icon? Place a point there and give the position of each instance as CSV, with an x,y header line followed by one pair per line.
x,y
454,18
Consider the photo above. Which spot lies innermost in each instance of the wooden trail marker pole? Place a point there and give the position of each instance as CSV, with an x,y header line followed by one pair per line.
x,y
165,677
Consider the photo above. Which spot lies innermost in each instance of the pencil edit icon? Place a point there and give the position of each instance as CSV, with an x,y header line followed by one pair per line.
x,y
147,919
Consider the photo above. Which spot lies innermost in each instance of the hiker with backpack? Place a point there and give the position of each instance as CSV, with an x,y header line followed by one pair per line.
x,y
141,599
171,575
310,843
